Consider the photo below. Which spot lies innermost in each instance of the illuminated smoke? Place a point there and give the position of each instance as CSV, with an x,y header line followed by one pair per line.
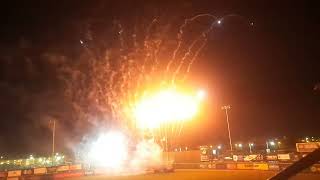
x,y
111,153
106,88
147,155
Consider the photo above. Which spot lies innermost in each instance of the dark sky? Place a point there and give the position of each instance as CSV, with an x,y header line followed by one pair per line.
x,y
266,72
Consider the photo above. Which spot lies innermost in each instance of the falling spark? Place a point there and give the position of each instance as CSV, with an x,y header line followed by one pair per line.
x,y
132,84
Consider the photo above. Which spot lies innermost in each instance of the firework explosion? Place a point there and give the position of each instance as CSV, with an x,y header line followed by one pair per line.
x,y
113,153
135,85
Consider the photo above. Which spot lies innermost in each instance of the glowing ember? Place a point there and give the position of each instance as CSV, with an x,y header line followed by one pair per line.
x,y
109,150
165,106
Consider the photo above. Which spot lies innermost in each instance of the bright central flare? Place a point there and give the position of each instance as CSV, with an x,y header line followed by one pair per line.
x,y
110,150
165,107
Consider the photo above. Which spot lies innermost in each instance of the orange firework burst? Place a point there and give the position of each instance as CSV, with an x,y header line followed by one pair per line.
x,y
165,106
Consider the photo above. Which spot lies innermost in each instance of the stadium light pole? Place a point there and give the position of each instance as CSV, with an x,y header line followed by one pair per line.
x,y
226,108
53,135
250,147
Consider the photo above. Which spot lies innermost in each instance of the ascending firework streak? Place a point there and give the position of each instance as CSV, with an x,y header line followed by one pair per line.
x,y
109,82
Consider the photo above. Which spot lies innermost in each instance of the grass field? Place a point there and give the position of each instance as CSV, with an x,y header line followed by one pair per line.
x,y
203,175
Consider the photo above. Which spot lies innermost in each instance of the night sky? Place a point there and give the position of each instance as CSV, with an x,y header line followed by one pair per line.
x,y
266,71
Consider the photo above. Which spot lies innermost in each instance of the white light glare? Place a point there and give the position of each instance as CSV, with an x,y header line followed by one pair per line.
x,y
110,150
272,143
201,94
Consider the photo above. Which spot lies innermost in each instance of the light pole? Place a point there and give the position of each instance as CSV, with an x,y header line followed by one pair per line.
x,y
53,135
250,147
226,108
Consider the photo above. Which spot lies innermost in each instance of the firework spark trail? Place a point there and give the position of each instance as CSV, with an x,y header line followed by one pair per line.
x,y
193,59
129,70
189,53
175,127
108,87
180,34
121,39
204,35
151,48
128,76
178,129
148,49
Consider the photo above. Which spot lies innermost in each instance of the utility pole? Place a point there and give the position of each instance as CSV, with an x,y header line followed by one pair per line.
x,y
226,108
53,135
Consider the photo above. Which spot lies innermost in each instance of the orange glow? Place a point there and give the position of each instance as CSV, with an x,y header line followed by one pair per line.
x,y
166,106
